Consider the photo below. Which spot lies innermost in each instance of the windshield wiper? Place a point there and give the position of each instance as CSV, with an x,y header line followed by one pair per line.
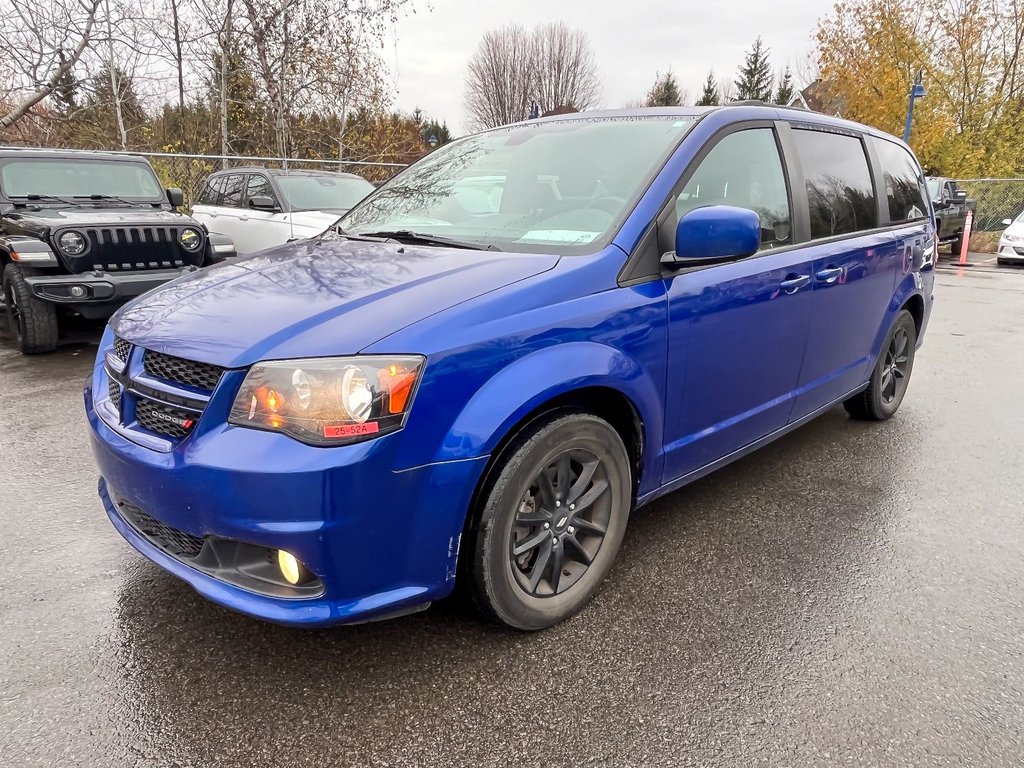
x,y
36,197
407,235
97,196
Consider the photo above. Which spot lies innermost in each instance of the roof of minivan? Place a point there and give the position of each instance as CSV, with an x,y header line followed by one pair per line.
x,y
743,110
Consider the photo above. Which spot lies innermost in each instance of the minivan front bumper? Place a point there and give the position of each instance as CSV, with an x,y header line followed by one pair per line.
x,y
381,542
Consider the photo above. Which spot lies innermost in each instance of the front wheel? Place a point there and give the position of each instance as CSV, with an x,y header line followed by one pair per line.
x,y
891,375
33,322
551,523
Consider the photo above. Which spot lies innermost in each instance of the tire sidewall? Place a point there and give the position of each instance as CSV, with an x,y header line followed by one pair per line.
x,y
885,410
491,559
10,286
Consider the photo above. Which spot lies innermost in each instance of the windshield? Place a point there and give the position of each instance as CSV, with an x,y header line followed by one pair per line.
x,y
323,193
563,187
71,178
933,189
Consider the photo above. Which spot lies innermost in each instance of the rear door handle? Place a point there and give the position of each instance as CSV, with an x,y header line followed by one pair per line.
x,y
829,275
794,283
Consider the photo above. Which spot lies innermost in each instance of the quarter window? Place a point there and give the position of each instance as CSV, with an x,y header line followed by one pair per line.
x,y
744,170
234,187
839,189
904,182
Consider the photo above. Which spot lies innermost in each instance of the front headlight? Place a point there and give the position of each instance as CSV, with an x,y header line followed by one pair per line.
x,y
72,243
1013,238
328,401
190,239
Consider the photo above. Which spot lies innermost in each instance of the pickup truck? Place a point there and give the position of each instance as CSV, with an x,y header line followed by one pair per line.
x,y
951,207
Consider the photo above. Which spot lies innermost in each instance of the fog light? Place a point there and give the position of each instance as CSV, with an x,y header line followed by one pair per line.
x,y
291,568
77,292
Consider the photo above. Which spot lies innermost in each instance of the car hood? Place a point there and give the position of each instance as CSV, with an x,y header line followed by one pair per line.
x,y
89,216
315,221
312,299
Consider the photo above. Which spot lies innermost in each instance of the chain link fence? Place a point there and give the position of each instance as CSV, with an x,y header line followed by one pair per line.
x,y
190,171
996,200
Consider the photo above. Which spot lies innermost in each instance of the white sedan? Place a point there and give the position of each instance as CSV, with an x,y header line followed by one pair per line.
x,y
259,208
1011,244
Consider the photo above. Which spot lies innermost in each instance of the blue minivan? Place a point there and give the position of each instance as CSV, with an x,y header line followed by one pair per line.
x,y
487,364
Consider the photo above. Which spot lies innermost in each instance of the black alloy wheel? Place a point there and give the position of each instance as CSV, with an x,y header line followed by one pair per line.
x,y
891,374
550,522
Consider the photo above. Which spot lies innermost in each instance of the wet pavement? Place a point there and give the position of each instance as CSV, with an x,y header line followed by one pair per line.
x,y
851,595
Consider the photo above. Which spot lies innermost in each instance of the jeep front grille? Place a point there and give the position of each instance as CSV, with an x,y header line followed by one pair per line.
x,y
131,249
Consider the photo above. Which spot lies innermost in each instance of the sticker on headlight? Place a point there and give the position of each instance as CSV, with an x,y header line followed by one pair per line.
x,y
351,430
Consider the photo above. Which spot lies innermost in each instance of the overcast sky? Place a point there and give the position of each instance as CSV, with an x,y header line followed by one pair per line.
x,y
632,40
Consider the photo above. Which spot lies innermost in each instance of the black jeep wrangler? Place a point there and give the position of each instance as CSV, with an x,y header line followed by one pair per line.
x,y
84,232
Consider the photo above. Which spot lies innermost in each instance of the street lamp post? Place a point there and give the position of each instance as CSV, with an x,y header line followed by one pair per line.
x,y
916,92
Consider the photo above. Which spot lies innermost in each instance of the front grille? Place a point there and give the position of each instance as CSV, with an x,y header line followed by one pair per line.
x,y
123,249
122,349
164,419
114,391
181,371
170,540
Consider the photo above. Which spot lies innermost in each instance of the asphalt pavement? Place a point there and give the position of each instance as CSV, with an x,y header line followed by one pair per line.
x,y
850,595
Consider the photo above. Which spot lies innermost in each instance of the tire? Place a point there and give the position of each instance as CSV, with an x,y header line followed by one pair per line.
x,y
33,322
891,374
957,245
528,529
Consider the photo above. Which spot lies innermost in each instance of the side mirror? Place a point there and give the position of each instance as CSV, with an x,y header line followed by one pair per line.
x,y
714,234
1007,222
175,197
263,203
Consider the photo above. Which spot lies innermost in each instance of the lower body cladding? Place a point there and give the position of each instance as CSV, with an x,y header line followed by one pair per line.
x,y
218,510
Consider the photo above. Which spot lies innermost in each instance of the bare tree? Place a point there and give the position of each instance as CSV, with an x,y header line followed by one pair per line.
x,y
500,80
42,42
553,65
565,72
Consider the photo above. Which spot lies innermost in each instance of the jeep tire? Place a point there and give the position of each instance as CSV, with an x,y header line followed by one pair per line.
x,y
33,322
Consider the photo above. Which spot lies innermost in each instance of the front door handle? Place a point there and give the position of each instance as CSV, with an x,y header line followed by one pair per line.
x,y
794,283
829,275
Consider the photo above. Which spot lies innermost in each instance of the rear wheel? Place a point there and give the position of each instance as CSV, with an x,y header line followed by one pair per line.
x,y
551,523
957,245
891,375
33,322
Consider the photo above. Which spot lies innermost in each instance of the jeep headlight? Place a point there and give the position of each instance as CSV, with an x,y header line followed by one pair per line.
x,y
190,239
328,401
72,243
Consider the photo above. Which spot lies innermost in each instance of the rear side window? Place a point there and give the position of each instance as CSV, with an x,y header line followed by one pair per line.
x,y
234,189
839,189
904,182
211,191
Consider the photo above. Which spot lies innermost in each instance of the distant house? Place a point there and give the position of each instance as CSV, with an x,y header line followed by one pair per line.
x,y
817,98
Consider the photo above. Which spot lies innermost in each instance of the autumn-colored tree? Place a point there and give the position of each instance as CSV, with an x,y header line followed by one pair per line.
x,y
971,54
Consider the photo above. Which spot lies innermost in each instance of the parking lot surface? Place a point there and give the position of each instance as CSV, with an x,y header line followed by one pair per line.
x,y
850,595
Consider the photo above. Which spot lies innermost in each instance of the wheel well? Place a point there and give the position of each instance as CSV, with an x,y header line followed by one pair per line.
x,y
915,306
603,402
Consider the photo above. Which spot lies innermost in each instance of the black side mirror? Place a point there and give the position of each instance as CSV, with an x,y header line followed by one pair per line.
x,y
175,197
263,203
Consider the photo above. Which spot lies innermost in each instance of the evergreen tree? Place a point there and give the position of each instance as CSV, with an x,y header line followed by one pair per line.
x,y
665,91
709,96
786,92
755,76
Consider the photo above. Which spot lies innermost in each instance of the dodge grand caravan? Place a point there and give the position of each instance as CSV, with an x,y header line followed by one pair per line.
x,y
339,429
